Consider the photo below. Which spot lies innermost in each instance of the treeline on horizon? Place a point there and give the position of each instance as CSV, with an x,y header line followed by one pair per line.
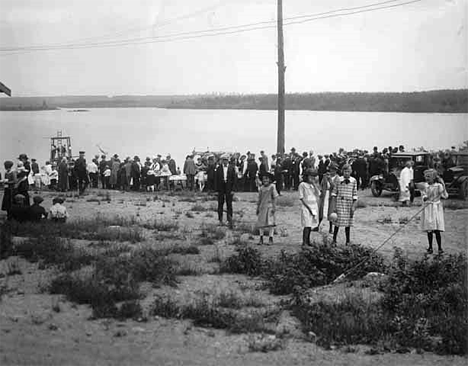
x,y
437,101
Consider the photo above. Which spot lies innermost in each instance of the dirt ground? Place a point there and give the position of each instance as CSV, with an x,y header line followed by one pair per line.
x,y
32,333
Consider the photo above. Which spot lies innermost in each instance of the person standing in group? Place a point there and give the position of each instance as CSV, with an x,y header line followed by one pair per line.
x,y
432,218
102,168
265,160
93,173
252,169
406,180
329,181
278,172
9,186
115,167
309,195
22,184
296,170
190,170
36,176
106,176
135,173
81,173
344,203
266,207
224,184
63,175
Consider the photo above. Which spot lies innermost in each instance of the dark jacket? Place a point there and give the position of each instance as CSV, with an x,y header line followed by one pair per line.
x,y
228,186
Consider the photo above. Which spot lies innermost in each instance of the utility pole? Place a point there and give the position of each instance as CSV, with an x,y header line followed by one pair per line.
x,y
281,70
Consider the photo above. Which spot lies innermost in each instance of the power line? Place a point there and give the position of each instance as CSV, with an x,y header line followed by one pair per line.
x,y
217,31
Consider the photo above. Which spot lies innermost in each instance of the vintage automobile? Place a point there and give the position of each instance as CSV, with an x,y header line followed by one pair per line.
x,y
456,177
390,181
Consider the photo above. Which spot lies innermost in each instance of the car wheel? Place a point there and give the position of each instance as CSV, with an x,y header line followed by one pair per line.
x,y
376,189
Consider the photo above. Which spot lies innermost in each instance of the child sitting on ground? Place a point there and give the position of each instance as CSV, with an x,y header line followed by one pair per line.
x,y
58,212
36,211
266,207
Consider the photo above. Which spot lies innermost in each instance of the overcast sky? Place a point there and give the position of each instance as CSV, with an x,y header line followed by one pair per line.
x,y
419,46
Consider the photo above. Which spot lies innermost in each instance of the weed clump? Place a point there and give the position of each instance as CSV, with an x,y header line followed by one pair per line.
x,y
247,261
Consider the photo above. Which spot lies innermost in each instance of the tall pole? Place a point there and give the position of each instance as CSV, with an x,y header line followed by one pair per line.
x,y
281,70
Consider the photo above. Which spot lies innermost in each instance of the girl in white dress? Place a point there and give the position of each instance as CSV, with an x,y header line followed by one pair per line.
x,y
432,218
309,194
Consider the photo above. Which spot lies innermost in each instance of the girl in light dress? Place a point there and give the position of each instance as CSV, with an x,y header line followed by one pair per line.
x,y
266,207
329,180
432,218
309,195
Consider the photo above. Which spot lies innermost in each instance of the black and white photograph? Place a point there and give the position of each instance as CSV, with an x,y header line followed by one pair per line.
x,y
233,182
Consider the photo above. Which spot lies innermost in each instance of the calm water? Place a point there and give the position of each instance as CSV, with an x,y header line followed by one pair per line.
x,y
149,131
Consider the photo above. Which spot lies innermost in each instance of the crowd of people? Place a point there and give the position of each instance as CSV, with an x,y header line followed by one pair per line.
x,y
327,184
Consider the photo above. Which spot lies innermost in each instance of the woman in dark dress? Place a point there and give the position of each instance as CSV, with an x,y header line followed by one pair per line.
x,y
9,184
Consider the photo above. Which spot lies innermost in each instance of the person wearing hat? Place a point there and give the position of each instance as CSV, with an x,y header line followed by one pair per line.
x,y
36,211
225,180
251,175
81,173
344,203
102,168
266,207
432,217
58,212
190,170
309,195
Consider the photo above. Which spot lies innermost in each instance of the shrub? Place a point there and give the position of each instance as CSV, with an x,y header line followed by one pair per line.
x,y
161,225
247,261
319,265
204,313
354,320
53,251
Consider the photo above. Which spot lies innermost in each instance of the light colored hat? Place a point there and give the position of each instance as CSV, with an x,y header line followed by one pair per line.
x,y
225,156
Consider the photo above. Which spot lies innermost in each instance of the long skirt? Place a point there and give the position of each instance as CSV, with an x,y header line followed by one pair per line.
x,y
7,198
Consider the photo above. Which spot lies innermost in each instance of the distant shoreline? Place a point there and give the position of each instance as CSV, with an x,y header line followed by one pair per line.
x,y
436,101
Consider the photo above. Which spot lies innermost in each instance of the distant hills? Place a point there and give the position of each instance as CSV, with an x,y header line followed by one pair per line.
x,y
436,101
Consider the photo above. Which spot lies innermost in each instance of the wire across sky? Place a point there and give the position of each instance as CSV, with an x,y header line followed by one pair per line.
x,y
86,43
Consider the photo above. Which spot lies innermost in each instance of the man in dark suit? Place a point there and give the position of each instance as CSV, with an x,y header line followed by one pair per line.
x,y
81,173
225,180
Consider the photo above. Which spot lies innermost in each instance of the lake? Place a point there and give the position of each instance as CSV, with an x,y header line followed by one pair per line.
x,y
150,131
